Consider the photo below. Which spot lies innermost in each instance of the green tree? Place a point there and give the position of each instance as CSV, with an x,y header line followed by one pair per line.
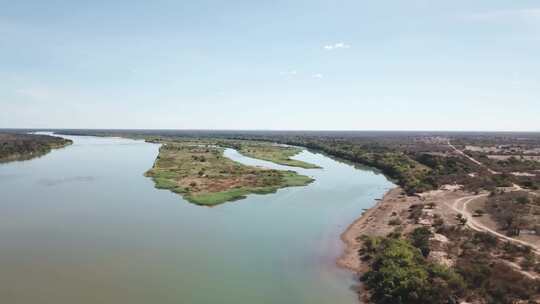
x,y
400,275
420,239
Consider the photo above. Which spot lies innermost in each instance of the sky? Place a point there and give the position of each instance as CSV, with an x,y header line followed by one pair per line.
x,y
271,65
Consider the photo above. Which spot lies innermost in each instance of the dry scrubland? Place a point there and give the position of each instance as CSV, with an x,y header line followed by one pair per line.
x,y
430,248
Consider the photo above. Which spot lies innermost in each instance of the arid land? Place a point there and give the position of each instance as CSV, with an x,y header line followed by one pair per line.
x,y
456,219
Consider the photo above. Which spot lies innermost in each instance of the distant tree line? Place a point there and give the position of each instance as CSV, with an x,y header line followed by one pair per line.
x,y
23,146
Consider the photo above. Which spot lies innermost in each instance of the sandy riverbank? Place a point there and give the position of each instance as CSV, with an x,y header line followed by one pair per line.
x,y
369,223
394,205
375,221
372,222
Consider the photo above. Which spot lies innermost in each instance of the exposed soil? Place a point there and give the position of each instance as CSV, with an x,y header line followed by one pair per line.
x,y
447,203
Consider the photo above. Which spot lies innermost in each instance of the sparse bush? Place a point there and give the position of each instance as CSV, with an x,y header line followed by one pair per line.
x,y
416,212
438,221
478,212
485,239
529,261
395,222
523,200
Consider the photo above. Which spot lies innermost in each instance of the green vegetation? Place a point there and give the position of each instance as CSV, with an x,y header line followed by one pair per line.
x,y
400,274
205,177
27,146
417,167
420,239
407,172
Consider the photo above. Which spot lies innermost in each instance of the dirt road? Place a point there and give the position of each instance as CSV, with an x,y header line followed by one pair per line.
x,y
471,159
460,206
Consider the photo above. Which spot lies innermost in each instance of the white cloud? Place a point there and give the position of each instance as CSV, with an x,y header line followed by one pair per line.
x,y
339,45
289,73
318,76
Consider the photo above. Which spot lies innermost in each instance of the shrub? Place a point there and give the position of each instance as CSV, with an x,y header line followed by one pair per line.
x,y
485,239
420,239
416,212
478,212
395,222
523,200
438,221
399,274
528,262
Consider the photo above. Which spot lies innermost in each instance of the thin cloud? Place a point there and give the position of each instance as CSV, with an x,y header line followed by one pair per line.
x,y
40,93
289,73
318,76
335,46
35,92
529,13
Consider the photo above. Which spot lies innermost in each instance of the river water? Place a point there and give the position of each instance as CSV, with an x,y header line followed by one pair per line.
x,y
83,225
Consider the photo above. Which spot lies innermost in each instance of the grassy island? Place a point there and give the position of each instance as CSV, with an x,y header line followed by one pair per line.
x,y
14,146
203,176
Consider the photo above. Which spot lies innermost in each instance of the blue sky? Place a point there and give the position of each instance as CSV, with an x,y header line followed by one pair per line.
x,y
333,65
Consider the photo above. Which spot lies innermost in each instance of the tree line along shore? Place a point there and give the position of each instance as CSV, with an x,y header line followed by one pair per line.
x,y
21,146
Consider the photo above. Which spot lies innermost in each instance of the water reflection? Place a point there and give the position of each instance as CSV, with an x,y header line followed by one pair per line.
x,y
56,181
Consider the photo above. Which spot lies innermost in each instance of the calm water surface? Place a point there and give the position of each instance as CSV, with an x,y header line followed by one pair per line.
x,y
83,225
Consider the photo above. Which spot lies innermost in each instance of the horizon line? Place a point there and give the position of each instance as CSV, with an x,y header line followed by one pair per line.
x,y
274,130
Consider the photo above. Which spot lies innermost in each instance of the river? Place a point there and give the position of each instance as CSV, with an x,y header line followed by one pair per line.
x,y
83,225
